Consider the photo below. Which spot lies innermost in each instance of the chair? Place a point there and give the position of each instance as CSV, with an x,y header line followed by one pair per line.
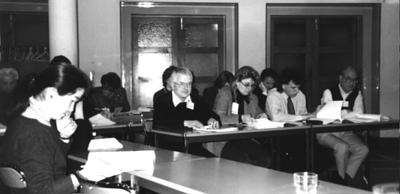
x,y
88,187
12,177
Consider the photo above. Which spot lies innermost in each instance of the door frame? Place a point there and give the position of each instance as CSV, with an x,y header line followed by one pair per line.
x,y
370,58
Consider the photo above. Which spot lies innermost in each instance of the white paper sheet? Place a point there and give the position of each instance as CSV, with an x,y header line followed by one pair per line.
x,y
209,129
362,118
104,144
331,110
100,120
101,165
263,123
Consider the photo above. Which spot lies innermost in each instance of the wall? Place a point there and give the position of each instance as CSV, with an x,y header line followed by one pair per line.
x,y
99,34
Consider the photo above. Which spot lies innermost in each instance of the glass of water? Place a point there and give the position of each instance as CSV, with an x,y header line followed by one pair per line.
x,y
386,188
305,182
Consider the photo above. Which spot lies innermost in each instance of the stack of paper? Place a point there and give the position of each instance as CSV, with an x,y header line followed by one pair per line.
x,y
209,129
101,165
263,123
362,118
330,112
104,144
100,120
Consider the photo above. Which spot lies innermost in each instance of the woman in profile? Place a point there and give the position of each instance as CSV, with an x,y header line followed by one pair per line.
x,y
33,143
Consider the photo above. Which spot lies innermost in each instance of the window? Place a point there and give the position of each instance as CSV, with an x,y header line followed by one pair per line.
x,y
198,36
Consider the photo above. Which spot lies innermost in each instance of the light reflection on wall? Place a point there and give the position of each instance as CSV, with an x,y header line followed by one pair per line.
x,y
150,69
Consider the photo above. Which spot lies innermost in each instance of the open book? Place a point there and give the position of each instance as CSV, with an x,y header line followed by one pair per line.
x,y
330,112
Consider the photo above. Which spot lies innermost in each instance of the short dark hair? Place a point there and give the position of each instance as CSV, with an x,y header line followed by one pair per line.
x,y
290,75
111,79
60,59
167,74
223,78
268,72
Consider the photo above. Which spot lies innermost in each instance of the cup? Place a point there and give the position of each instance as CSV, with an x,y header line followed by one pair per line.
x,y
386,188
305,182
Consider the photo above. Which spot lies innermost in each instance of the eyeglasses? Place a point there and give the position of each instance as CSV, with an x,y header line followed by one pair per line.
x,y
183,84
350,79
248,85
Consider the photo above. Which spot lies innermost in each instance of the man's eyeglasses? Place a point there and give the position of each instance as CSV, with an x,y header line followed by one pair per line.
x,y
350,79
183,84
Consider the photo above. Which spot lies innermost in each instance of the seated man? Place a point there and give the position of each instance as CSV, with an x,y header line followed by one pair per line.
x,y
180,108
289,103
348,148
110,95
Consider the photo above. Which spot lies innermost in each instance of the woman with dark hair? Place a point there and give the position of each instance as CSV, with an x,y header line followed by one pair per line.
x,y
224,79
110,95
268,83
237,104
34,140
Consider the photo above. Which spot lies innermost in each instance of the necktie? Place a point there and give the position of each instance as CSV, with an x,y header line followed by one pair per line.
x,y
290,106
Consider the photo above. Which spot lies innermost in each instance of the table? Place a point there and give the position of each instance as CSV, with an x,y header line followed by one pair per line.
x,y
220,176
162,155
190,136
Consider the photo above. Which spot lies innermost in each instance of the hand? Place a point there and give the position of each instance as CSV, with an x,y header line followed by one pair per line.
x,y
213,123
78,110
262,115
192,124
263,88
66,126
248,119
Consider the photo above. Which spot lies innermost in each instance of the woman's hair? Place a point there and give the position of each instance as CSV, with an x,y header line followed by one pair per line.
x,y
64,77
247,72
111,79
223,78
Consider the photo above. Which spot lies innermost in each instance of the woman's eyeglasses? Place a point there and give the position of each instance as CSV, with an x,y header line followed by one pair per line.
x,y
248,84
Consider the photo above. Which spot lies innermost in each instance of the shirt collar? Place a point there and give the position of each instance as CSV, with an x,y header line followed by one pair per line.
x,y
176,100
343,93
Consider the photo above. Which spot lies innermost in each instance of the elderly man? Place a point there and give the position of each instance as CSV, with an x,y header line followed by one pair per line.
x,y
349,150
179,108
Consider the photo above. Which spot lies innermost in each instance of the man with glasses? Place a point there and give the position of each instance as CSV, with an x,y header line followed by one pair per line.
x,y
349,150
180,108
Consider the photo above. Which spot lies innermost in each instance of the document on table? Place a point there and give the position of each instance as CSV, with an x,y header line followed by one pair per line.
x,y
330,112
101,165
362,118
100,120
209,129
104,144
263,123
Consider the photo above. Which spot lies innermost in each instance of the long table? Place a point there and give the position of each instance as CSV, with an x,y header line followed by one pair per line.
x,y
190,136
177,172
221,176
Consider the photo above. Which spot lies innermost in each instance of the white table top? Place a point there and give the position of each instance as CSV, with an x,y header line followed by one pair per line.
x,y
219,176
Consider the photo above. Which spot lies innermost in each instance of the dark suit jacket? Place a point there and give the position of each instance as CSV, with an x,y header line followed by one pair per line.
x,y
166,115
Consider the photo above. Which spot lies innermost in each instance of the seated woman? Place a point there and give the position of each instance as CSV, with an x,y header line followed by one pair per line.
x,y
269,82
181,108
32,140
110,95
237,104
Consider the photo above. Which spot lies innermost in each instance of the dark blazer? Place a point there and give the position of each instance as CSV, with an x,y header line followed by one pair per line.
x,y
166,115
38,151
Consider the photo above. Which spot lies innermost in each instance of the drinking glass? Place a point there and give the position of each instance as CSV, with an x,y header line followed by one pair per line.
x,y
305,182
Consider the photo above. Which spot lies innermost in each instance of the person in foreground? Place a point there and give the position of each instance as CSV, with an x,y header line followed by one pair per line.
x,y
349,149
179,108
37,140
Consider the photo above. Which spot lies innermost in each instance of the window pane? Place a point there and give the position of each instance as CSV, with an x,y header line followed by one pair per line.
x,y
290,34
152,33
202,64
201,35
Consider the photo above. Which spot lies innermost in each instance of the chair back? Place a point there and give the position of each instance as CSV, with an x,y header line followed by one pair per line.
x,y
12,177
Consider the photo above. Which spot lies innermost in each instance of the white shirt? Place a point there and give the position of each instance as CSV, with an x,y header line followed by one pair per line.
x,y
176,100
358,102
278,105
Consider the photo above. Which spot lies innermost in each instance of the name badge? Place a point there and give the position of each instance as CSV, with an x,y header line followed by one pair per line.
x,y
190,105
235,108
345,104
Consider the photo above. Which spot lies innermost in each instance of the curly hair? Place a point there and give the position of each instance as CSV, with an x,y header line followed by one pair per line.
x,y
247,72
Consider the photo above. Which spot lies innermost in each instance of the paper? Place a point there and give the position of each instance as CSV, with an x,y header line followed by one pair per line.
x,y
2,129
331,110
209,129
101,165
263,123
362,118
104,144
100,120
